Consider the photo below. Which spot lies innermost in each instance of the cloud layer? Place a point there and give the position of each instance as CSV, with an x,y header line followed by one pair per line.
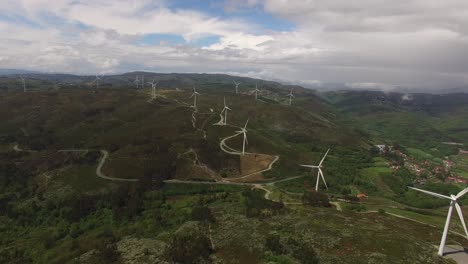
x,y
420,44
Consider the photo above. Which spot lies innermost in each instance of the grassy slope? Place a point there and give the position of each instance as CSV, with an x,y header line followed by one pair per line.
x,y
142,135
150,136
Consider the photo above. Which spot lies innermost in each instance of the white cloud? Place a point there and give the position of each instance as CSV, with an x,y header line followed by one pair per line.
x,y
241,41
370,44
371,86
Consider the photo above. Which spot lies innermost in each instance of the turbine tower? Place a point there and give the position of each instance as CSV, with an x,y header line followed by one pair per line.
x,y
237,86
453,203
142,81
225,110
320,172
97,81
256,92
194,95
153,89
244,131
137,81
291,96
24,83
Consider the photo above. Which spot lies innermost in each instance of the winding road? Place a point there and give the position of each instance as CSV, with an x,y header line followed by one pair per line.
x,y
99,173
232,151
105,155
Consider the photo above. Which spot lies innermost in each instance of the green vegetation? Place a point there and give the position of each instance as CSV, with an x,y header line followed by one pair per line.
x,y
55,209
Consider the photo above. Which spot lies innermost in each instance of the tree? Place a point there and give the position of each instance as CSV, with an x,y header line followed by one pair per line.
x,y
190,244
202,214
315,198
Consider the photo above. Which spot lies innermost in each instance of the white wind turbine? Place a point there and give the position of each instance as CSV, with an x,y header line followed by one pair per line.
x,y
194,95
24,83
320,172
225,110
97,81
256,92
137,81
245,141
237,86
453,203
153,89
291,96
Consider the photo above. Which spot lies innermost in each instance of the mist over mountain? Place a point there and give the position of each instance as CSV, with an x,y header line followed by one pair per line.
x,y
320,87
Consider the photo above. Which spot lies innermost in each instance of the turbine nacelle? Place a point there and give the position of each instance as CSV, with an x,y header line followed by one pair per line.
x,y
225,106
319,172
244,132
453,203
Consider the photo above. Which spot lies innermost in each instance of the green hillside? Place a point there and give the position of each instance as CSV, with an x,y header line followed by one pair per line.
x,y
107,175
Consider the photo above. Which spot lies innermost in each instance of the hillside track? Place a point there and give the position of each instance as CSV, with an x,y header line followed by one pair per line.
x,y
99,173
225,148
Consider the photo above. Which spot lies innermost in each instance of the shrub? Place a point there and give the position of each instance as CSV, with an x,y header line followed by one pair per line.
x,y
202,214
189,245
256,204
302,251
274,245
315,198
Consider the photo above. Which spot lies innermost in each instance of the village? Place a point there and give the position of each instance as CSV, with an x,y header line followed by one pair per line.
x,y
424,169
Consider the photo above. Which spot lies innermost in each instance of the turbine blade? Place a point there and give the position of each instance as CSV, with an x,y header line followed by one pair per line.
x,y
324,157
431,193
323,178
245,127
463,192
245,138
460,214
308,166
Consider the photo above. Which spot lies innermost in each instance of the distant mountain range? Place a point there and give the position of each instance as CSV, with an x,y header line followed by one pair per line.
x,y
117,78
16,71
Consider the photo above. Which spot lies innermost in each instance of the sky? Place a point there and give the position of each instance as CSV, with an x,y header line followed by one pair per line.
x,y
365,44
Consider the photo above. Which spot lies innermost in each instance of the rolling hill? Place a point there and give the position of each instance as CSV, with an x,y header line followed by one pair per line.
x,y
101,174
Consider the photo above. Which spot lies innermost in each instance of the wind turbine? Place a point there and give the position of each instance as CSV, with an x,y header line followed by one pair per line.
x,y
453,203
153,87
320,172
245,141
225,110
291,96
137,81
256,92
24,83
97,81
194,95
237,86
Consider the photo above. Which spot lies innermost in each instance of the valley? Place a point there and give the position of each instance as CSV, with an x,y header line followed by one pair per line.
x,y
93,175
